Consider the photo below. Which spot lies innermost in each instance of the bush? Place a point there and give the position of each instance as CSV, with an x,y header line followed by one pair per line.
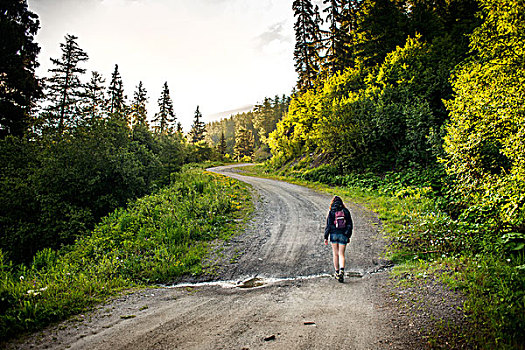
x,y
53,190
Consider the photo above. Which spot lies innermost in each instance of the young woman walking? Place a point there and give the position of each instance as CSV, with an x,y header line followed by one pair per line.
x,y
339,228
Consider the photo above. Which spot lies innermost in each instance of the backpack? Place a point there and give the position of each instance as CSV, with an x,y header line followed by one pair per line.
x,y
340,221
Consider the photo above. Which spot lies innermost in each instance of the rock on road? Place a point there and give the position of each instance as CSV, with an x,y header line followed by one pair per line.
x,y
294,304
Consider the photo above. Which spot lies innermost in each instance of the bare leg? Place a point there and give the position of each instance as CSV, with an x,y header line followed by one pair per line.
x,y
335,251
341,255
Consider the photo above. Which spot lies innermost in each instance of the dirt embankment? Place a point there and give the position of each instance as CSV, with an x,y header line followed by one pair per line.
x,y
270,289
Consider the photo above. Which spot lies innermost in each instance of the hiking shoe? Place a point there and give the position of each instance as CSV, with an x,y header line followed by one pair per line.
x,y
336,275
341,277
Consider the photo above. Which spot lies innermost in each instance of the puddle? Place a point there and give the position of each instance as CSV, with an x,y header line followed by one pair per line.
x,y
260,282
252,283
249,283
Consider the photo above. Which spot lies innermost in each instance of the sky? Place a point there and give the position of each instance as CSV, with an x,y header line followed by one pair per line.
x,y
220,55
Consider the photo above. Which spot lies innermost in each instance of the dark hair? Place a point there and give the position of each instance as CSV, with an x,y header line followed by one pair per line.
x,y
337,199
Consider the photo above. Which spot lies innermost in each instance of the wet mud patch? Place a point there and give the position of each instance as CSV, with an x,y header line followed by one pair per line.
x,y
251,283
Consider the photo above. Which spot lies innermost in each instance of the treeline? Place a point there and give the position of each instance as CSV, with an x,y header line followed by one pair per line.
x,y
244,136
372,79
72,148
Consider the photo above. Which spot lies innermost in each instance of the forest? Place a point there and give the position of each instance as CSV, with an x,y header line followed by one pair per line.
x,y
59,180
422,100
416,100
82,150
82,165
244,136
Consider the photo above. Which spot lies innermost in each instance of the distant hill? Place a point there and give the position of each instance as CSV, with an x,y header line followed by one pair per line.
x,y
226,114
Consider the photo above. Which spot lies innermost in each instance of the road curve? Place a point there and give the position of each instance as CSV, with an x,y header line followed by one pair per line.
x,y
287,232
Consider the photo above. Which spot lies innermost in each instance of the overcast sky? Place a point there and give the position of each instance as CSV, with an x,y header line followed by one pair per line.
x,y
219,54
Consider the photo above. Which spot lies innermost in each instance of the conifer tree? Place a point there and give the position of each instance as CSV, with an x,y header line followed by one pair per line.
x,y
179,128
165,118
348,31
138,106
244,142
307,43
117,100
64,88
198,128
263,119
94,98
221,148
19,88
381,26
340,15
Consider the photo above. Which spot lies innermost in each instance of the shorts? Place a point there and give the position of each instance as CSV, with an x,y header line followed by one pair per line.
x,y
338,238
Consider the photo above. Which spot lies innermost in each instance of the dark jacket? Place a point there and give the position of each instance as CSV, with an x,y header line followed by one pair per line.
x,y
330,225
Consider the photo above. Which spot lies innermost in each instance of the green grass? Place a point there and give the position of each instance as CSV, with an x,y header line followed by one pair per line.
x,y
155,240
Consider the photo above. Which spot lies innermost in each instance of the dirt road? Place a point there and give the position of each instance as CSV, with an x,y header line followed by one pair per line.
x,y
271,291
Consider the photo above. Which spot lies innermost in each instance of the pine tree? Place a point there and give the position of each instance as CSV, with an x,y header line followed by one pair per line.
x,y
221,148
19,88
64,88
348,31
179,128
94,98
138,106
244,142
117,100
263,117
198,129
382,25
166,116
337,37
308,43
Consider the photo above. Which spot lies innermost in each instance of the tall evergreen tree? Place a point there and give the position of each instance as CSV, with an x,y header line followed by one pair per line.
x,y
117,100
19,88
222,145
198,128
382,26
138,106
348,31
244,142
94,98
64,88
307,43
179,128
165,118
263,119
334,45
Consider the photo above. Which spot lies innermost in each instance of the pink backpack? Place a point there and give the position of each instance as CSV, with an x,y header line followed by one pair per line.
x,y
340,221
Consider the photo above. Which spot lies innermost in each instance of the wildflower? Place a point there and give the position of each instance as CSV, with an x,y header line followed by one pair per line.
x,y
21,278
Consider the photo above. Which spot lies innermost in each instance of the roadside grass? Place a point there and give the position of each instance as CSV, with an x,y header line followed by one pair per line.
x,y
155,240
425,241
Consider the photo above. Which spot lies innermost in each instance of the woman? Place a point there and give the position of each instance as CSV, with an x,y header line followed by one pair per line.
x,y
339,228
